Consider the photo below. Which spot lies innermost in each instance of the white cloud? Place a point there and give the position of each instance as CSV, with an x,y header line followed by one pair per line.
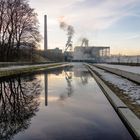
x,y
86,17
102,15
98,17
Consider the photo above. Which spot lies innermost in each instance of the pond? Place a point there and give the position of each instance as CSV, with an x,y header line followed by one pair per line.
x,y
62,104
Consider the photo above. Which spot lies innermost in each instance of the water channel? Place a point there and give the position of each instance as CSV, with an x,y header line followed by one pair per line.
x,y
66,104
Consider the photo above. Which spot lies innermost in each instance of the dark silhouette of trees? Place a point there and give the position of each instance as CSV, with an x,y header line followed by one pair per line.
x,y
18,28
18,104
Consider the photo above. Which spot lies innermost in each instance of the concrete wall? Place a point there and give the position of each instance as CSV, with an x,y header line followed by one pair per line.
x,y
128,117
6,64
123,59
131,76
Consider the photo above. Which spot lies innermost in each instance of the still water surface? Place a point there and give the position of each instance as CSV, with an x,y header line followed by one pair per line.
x,y
66,104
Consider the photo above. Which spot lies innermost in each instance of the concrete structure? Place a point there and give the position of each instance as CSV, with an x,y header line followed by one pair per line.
x,y
54,54
124,59
128,117
10,71
129,75
45,33
56,51
91,53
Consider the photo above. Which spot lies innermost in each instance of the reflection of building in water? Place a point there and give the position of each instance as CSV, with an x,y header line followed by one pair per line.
x,y
79,73
91,53
82,73
46,89
68,76
58,70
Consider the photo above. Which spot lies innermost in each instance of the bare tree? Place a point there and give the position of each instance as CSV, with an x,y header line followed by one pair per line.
x,y
18,26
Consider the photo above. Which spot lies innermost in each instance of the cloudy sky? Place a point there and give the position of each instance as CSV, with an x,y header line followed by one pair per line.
x,y
114,23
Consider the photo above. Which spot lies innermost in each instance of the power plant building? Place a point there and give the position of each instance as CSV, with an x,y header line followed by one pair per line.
x,y
91,53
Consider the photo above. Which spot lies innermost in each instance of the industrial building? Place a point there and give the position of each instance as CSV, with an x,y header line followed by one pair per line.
x,y
91,53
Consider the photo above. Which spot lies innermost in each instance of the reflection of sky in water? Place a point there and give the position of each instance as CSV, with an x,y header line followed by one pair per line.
x,y
83,114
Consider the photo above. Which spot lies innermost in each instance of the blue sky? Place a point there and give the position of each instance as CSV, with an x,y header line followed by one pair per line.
x,y
114,23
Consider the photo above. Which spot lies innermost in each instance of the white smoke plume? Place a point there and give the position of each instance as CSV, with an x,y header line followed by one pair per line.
x,y
70,32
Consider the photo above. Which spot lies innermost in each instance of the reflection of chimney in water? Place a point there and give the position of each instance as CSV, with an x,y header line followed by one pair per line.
x,y
46,89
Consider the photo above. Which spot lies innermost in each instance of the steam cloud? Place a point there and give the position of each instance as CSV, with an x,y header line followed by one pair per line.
x,y
70,32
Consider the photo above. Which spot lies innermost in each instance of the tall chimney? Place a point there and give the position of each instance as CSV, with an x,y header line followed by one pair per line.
x,y
45,33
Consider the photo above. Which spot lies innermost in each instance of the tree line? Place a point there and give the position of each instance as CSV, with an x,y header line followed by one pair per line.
x,y
19,28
